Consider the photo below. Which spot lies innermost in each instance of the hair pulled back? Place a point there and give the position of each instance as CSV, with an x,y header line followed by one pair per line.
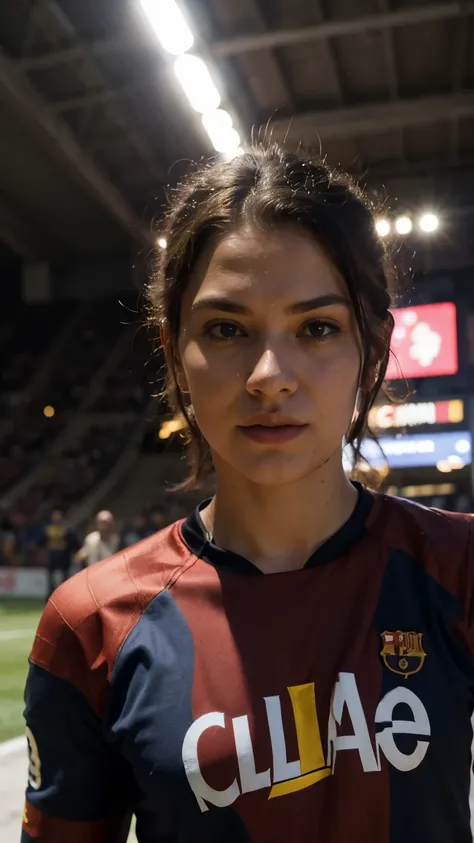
x,y
264,187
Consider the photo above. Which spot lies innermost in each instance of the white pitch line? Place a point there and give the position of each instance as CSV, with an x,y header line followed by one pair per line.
x,y
10,634
12,746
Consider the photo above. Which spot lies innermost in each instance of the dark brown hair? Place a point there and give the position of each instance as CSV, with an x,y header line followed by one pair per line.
x,y
264,187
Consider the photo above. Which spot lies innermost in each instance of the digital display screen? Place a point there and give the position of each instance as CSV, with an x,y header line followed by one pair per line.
x,y
411,415
424,342
448,449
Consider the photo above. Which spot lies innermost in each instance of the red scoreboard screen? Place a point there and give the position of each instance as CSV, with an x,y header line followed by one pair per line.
x,y
424,342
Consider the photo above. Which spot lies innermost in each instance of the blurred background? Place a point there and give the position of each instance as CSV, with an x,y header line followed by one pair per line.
x,y
104,104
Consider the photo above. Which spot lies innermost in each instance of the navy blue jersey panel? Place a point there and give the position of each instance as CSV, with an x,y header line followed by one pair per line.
x,y
26,838
148,715
74,775
429,678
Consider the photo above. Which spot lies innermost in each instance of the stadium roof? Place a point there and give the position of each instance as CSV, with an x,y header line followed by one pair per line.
x,y
93,120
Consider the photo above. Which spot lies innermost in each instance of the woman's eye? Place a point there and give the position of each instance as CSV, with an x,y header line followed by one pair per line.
x,y
318,330
225,331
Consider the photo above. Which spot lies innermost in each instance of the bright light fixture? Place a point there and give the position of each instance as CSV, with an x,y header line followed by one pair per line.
x,y
429,223
161,242
218,125
403,225
217,121
382,227
197,84
167,20
444,466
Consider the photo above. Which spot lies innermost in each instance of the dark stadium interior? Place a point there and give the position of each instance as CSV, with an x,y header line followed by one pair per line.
x,y
94,133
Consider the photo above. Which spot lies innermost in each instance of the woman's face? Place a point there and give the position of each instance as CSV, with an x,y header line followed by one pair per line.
x,y
270,355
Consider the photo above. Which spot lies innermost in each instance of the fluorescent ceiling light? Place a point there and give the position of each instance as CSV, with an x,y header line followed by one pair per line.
x,y
169,24
197,84
218,125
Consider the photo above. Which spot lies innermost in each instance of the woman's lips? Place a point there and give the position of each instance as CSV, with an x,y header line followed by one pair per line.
x,y
277,435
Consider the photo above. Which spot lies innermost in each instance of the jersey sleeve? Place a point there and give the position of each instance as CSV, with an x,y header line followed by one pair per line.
x,y
78,788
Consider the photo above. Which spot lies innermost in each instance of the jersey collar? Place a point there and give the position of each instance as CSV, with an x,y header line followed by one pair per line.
x,y
195,537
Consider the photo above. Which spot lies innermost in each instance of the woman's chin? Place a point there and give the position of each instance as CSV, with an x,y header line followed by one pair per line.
x,y
274,468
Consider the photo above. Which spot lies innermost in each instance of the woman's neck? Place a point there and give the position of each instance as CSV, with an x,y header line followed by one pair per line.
x,y
278,528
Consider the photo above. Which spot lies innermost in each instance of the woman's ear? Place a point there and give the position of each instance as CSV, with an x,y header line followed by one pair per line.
x,y
173,360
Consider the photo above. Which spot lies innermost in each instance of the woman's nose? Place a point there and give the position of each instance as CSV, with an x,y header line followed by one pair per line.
x,y
272,375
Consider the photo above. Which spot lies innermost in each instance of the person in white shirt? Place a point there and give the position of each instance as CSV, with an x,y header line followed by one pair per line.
x,y
102,542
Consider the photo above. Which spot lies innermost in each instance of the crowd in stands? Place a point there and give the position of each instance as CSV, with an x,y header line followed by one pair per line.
x,y
27,433
90,346
31,381
130,386
29,541
23,445
70,475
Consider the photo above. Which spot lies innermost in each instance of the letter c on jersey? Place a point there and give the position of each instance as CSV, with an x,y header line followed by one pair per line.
x,y
291,776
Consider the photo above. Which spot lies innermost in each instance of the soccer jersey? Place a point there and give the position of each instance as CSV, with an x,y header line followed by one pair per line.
x,y
177,682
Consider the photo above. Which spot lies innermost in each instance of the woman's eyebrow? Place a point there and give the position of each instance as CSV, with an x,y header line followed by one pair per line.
x,y
219,303
319,301
226,305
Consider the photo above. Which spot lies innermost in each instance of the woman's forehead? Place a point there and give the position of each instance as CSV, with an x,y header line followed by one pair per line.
x,y
283,263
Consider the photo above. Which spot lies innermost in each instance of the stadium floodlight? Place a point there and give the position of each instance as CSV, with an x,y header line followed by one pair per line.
x,y
429,222
218,125
167,20
403,225
382,227
161,242
196,82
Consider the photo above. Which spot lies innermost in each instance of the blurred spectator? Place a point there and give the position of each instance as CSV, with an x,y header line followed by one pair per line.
x,y
103,542
61,543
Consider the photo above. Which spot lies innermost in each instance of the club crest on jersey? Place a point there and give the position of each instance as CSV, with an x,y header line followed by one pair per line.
x,y
403,652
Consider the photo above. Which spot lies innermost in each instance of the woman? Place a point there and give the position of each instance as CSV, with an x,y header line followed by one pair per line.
x,y
295,660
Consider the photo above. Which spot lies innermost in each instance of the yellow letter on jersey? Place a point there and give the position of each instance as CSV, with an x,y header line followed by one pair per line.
x,y
312,760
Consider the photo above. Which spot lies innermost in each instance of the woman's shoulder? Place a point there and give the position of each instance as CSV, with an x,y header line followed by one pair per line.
x,y
96,609
405,519
442,541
